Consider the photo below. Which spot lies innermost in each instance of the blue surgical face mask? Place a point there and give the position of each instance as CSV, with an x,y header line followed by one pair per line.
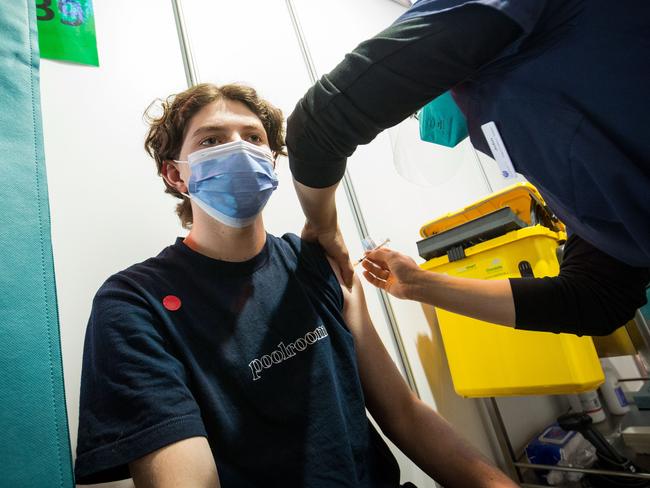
x,y
231,182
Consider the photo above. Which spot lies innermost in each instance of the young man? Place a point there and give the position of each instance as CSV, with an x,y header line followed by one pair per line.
x,y
234,358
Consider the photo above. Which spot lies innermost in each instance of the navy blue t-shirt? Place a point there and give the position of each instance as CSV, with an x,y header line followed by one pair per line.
x,y
254,355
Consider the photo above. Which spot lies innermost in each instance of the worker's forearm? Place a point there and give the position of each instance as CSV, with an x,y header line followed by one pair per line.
x,y
594,293
430,441
318,205
487,300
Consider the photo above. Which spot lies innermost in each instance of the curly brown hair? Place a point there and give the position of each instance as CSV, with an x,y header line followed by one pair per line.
x,y
167,131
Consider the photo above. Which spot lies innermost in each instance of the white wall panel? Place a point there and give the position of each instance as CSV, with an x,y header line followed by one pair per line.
x,y
253,43
108,208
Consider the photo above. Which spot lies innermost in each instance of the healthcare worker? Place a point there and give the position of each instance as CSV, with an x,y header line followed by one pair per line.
x,y
566,85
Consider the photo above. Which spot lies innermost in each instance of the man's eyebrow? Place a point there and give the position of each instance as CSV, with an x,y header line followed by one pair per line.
x,y
209,128
220,128
253,127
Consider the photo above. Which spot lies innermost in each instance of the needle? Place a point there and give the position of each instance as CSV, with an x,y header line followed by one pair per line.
x,y
386,241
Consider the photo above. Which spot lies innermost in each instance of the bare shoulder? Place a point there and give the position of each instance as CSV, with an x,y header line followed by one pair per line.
x,y
348,293
355,310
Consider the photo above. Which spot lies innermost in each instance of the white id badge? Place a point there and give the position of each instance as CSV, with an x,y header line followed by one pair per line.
x,y
499,152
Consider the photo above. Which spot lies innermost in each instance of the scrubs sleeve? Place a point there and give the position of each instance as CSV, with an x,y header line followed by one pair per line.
x,y
384,80
594,294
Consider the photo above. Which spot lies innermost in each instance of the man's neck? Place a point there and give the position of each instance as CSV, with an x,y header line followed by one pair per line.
x,y
219,241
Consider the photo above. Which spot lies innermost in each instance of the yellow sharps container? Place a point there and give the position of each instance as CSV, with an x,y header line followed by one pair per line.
x,y
508,234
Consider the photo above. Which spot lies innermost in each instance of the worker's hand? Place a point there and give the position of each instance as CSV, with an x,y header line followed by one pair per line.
x,y
391,271
334,246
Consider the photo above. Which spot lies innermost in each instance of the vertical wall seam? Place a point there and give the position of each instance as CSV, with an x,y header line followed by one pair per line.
x,y
357,214
191,74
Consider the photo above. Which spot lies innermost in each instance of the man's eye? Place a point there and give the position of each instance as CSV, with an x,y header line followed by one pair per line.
x,y
255,139
210,141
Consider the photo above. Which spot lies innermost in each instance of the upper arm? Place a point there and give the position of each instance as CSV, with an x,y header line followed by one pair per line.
x,y
187,463
388,397
386,79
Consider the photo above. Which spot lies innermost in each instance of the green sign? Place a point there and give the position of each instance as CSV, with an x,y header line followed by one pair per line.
x,y
66,30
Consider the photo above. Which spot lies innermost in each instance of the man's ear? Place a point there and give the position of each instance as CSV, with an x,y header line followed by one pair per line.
x,y
172,176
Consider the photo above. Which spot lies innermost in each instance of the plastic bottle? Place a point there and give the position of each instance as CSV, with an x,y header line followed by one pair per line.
x,y
575,403
612,391
591,406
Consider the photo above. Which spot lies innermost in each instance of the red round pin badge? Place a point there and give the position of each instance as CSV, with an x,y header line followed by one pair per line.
x,y
171,303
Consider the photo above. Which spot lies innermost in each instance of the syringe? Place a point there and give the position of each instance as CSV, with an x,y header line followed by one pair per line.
x,y
369,245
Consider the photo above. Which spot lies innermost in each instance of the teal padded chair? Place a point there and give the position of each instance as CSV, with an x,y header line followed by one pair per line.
x,y
34,439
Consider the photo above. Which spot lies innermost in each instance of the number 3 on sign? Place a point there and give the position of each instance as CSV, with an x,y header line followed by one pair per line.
x,y
44,6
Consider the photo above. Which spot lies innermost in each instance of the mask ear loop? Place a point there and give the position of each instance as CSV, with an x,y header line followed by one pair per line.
x,y
183,162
